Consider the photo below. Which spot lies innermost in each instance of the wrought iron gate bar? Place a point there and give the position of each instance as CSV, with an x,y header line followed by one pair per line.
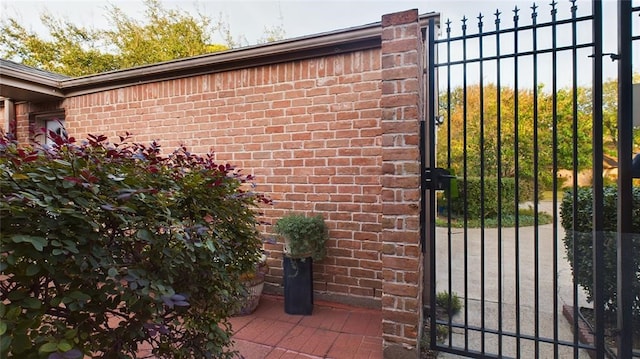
x,y
465,185
523,336
626,275
450,268
428,154
508,56
499,170
554,163
575,149
516,165
518,332
511,31
536,230
482,192
598,182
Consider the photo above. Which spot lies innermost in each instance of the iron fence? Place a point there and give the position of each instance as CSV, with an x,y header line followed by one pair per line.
x,y
510,111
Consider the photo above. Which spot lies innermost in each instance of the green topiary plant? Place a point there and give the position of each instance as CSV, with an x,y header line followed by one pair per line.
x,y
304,236
106,247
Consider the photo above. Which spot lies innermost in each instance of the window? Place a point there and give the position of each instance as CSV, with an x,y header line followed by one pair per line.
x,y
44,123
55,126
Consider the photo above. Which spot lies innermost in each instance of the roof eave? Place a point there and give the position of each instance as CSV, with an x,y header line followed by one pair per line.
x,y
347,41
331,43
22,85
25,86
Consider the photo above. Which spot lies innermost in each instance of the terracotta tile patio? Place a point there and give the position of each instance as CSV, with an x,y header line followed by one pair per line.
x,y
333,331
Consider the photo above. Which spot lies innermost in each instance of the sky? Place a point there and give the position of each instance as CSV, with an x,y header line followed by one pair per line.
x,y
298,17
305,17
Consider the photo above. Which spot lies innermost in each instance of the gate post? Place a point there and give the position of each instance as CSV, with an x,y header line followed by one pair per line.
x,y
401,104
625,262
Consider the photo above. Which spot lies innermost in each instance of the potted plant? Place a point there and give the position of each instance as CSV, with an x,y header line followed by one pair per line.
x,y
304,236
253,282
304,241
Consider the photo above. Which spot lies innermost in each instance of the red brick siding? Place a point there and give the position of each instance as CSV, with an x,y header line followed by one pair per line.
x,y
401,103
309,130
24,130
335,135
4,125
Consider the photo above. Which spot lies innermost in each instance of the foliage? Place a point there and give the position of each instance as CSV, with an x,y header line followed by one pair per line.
x,y
470,191
526,217
304,235
446,306
451,304
256,274
442,333
71,50
167,35
474,132
579,237
483,209
274,32
610,116
76,51
108,246
478,134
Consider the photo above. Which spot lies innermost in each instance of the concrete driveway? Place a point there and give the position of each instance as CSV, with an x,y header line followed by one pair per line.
x,y
517,263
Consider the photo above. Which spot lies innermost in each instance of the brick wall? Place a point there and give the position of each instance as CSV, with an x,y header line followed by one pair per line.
x,y
336,135
401,103
309,130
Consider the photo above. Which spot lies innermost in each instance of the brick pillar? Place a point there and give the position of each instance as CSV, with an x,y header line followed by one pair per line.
x,y
401,102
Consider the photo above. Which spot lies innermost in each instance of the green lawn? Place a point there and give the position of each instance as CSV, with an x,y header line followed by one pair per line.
x,y
548,195
526,218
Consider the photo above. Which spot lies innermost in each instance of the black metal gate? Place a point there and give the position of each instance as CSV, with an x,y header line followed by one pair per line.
x,y
518,116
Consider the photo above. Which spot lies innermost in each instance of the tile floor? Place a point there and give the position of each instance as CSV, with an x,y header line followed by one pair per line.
x,y
333,331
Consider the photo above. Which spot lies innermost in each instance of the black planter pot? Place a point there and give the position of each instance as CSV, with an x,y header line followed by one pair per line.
x,y
298,285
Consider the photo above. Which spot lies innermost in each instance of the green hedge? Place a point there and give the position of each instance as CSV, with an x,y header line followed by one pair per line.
x,y
581,237
473,193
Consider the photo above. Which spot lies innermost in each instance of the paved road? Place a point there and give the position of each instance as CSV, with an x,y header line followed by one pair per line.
x,y
508,277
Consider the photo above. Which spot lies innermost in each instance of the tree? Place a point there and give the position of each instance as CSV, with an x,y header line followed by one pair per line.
x,y
105,247
485,140
167,35
72,50
610,116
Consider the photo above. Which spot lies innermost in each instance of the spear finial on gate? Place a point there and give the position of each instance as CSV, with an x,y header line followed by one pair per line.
x,y
448,27
497,14
480,21
515,15
574,8
553,7
464,24
534,14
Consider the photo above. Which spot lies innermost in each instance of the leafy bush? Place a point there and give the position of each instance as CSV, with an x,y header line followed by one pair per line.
x,y
473,195
581,237
526,188
109,246
451,304
304,236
